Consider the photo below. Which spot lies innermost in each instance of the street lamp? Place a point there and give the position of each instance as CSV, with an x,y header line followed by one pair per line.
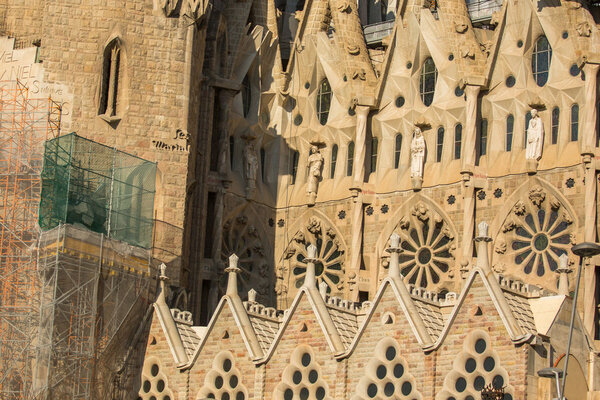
x,y
585,249
552,372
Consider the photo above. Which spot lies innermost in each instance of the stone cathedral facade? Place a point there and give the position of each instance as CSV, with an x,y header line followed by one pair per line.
x,y
323,166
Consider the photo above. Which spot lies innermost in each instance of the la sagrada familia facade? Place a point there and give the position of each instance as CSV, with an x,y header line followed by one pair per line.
x,y
355,199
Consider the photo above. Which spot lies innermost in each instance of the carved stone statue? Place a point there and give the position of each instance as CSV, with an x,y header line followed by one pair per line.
x,y
535,137
250,166
417,154
315,164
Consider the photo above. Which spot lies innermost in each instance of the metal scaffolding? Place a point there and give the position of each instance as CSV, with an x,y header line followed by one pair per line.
x,y
25,124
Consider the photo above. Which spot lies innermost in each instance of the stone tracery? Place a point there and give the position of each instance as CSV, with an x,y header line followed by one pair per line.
x,y
329,268
242,238
428,245
535,234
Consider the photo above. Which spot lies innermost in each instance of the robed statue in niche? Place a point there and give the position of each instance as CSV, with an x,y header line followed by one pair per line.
x,y
535,137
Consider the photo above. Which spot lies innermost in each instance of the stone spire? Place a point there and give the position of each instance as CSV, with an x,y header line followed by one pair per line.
x,y
232,270
310,279
482,239
563,278
163,278
394,250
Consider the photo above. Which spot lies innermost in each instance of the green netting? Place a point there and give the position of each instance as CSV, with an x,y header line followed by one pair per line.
x,y
87,184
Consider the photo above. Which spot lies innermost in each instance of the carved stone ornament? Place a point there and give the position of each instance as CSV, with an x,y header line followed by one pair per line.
x,y
554,204
460,27
330,232
404,223
353,49
519,208
242,220
500,247
168,6
467,52
535,136
314,226
584,29
315,164
193,8
359,74
417,154
420,211
509,226
299,237
345,7
486,47
537,195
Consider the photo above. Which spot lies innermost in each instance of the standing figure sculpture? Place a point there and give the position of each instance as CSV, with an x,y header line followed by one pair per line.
x,y
250,167
315,163
417,154
535,137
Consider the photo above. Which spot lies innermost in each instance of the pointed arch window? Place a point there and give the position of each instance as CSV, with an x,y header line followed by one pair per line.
x,y
439,150
428,80
397,150
510,126
527,120
575,122
540,60
374,145
334,152
263,161
323,101
295,158
555,120
457,141
112,89
246,95
483,132
350,159
231,150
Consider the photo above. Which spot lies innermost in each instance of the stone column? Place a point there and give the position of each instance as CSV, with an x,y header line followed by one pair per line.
x,y
362,112
468,164
588,138
470,130
588,131
224,97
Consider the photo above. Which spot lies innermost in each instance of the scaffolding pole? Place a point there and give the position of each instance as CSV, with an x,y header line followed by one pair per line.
x,y
25,124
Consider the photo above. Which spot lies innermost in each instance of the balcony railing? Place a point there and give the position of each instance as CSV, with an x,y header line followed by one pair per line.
x,y
375,32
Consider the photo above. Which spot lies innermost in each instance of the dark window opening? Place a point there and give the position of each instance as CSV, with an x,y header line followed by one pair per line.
x,y
210,223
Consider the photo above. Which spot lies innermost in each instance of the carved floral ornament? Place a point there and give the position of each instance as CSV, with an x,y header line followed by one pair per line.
x,y
428,246
242,238
330,265
537,231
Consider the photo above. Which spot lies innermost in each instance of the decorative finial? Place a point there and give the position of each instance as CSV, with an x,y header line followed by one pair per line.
x,y
310,279
563,278
232,270
252,296
163,269
323,289
394,250
482,230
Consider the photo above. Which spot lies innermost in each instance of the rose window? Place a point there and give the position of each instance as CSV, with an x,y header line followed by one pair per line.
x,y
329,267
242,238
427,246
538,231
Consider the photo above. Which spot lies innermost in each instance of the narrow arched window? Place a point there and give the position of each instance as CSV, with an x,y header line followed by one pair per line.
x,y
374,145
350,159
483,128
323,101
439,150
397,150
295,158
334,151
263,161
510,126
457,141
231,150
113,82
540,60
575,122
246,95
555,120
527,120
427,82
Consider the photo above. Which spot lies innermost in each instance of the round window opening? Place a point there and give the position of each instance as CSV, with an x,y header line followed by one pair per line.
x,y
319,268
424,256
541,242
